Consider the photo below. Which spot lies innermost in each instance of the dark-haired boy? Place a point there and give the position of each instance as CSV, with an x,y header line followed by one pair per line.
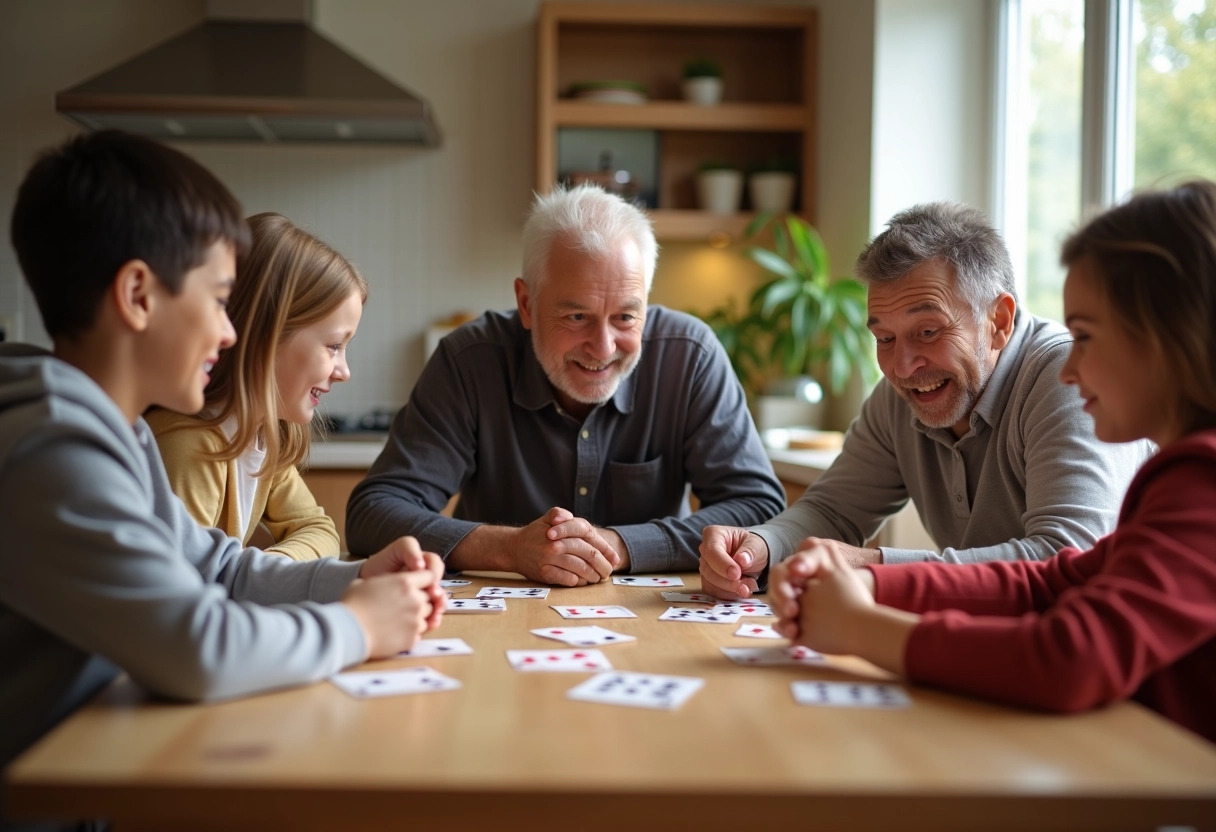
x,y
129,248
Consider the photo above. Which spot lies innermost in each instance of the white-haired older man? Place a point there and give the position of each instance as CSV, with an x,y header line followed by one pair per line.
x,y
574,426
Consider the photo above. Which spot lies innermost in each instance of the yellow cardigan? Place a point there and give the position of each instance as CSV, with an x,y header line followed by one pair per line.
x,y
301,528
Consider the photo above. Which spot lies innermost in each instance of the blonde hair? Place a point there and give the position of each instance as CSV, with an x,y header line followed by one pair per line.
x,y
289,280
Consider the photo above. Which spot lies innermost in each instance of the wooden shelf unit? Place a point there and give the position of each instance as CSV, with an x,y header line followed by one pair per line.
x,y
768,56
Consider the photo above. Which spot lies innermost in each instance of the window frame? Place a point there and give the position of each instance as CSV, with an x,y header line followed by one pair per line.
x,y
1107,118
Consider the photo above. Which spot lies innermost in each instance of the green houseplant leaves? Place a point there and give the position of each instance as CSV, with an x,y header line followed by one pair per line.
x,y
800,320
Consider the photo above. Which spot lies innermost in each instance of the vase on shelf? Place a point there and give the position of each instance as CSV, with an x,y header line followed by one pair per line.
x,y
702,81
720,190
771,192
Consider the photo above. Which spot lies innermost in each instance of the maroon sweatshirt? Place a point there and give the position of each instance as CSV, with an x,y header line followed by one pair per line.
x,y
1133,616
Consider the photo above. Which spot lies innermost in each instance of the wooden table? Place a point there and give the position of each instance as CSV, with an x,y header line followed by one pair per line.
x,y
509,751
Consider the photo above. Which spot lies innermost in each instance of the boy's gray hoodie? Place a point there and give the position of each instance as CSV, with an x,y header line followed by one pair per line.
x,y
102,570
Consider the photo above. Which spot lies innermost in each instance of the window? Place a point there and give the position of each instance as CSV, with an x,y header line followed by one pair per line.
x,y
1098,97
1174,77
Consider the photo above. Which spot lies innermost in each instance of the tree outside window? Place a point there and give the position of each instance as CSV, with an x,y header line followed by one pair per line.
x,y
1172,98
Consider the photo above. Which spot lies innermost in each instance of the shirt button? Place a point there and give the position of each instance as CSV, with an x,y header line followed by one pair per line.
x,y
958,498
586,433
582,492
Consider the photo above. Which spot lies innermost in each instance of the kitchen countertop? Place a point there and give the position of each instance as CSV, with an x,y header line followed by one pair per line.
x,y
359,451
346,450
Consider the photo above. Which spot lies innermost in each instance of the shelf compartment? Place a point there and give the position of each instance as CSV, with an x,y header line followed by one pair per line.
x,y
680,115
698,226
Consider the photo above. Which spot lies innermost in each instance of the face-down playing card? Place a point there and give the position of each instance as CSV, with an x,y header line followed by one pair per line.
x,y
638,690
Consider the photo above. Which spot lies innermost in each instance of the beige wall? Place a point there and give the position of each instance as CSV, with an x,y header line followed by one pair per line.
x,y
435,231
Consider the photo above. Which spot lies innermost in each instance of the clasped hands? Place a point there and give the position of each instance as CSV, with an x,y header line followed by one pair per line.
x,y
565,550
397,597
733,559
821,596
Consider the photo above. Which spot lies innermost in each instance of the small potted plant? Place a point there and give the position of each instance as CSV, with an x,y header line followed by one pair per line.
x,y
702,81
719,187
800,324
819,322
770,187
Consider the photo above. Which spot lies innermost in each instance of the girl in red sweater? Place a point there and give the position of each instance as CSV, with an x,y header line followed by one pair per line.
x,y
1135,616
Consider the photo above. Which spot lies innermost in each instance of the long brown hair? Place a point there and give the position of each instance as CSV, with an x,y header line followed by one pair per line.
x,y
289,280
1156,258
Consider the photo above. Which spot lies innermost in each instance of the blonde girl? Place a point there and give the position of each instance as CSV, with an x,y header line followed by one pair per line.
x,y
295,307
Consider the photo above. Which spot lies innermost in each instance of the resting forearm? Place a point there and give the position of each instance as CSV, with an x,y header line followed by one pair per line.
x,y
485,547
881,637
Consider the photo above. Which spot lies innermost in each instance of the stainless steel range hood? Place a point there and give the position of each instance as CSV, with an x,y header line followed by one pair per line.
x,y
251,81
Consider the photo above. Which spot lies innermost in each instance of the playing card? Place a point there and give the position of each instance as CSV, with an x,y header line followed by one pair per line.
x,y
368,684
475,605
639,690
743,608
648,580
574,661
583,636
610,611
513,592
757,631
701,616
850,694
773,655
454,582
437,647
689,597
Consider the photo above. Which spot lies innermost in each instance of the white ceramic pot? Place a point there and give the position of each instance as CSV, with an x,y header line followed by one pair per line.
x,y
720,191
704,90
771,192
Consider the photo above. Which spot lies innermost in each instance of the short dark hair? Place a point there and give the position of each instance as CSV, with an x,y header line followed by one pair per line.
x,y
102,199
949,231
1156,263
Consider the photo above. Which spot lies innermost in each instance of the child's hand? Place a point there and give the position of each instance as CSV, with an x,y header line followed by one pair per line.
x,y
812,590
834,601
393,610
826,604
402,555
405,555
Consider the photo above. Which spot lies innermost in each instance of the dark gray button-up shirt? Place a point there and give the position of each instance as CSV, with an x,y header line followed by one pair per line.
x,y
484,421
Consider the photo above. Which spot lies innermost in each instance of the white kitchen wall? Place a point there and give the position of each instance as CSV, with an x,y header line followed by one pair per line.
x,y
433,230
933,111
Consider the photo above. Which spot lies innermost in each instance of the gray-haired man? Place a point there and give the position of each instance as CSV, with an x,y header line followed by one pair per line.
x,y
970,422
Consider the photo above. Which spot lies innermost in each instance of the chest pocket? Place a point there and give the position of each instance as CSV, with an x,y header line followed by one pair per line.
x,y
637,493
